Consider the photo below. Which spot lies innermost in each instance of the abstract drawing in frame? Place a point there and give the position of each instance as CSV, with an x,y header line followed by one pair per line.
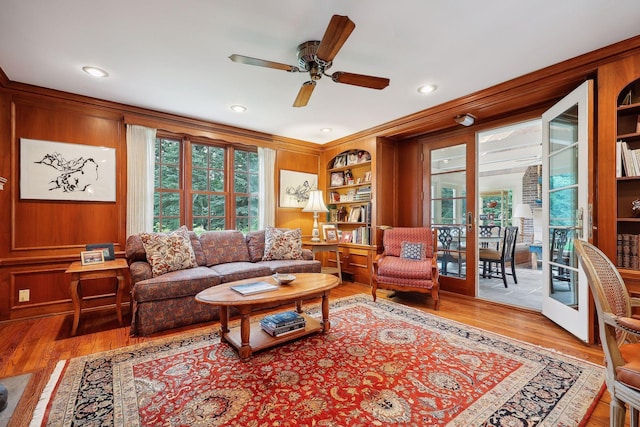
x,y
295,188
64,171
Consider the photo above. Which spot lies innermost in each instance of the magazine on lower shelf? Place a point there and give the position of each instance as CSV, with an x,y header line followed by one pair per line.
x,y
254,288
284,318
283,330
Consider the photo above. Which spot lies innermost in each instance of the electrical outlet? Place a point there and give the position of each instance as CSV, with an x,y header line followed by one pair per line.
x,y
23,295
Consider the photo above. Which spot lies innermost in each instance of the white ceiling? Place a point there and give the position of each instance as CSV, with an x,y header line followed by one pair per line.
x,y
172,56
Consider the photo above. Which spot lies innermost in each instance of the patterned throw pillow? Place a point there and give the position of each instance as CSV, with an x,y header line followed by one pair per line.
x,y
412,250
168,252
282,244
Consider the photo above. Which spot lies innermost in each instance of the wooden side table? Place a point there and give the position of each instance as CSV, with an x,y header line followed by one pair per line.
x,y
317,247
79,272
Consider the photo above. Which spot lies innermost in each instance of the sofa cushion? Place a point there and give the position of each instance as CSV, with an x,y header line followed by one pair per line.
x,y
292,266
233,271
255,245
168,252
221,247
175,284
282,244
412,250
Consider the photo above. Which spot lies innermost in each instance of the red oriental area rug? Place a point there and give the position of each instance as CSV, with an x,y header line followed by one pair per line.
x,y
382,364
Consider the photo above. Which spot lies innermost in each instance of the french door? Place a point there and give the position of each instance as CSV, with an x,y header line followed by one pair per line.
x,y
566,141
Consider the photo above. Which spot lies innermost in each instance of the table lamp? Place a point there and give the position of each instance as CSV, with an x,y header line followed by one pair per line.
x,y
315,205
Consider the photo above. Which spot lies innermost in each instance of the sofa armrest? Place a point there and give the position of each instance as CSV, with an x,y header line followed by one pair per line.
x,y
307,254
140,270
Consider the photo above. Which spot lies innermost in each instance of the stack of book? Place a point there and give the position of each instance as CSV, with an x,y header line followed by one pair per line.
x,y
282,323
627,251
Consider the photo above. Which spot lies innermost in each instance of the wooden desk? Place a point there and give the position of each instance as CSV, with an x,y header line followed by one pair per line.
x,y
79,272
317,247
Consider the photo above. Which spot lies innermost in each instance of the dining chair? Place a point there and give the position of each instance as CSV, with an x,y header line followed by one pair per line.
x,y
619,331
500,257
559,239
489,231
450,249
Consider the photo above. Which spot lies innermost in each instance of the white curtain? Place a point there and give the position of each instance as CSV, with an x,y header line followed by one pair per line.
x,y
267,195
140,173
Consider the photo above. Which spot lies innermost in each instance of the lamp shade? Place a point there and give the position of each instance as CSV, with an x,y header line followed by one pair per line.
x,y
315,204
523,211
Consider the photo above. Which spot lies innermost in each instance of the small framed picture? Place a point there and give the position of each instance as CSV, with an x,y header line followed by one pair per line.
x,y
106,248
367,176
352,158
346,237
335,197
364,156
337,179
92,257
340,161
330,234
351,195
354,215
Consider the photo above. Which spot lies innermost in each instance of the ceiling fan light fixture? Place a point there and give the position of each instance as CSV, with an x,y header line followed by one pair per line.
x,y
238,108
426,89
95,71
465,119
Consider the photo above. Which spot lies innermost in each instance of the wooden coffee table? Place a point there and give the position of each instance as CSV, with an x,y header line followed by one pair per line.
x,y
250,337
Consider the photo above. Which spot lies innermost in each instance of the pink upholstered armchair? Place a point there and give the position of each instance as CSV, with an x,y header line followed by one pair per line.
x,y
408,262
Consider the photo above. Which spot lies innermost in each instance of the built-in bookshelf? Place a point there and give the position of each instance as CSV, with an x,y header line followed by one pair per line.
x,y
628,176
349,195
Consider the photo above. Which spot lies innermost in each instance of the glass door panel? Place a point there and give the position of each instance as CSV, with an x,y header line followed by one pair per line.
x,y
449,208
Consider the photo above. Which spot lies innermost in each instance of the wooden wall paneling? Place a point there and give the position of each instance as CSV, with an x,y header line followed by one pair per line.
x,y
298,162
410,191
67,225
385,180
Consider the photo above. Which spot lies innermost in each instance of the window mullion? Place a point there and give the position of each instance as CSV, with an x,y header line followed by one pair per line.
x,y
187,191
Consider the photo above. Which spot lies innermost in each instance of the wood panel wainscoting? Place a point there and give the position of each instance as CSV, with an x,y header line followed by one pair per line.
x,y
35,345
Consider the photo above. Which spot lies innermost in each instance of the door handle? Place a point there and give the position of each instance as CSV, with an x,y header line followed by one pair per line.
x,y
579,223
469,222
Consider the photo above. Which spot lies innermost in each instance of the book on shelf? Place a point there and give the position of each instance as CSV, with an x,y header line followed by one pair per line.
x,y
284,318
254,288
627,248
627,160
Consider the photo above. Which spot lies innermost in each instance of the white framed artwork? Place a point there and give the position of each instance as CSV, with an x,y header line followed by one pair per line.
x,y
295,188
64,171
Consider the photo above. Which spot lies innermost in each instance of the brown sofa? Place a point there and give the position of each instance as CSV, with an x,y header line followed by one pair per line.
x,y
167,301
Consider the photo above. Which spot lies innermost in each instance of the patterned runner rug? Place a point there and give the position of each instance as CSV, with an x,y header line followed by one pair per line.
x,y
382,364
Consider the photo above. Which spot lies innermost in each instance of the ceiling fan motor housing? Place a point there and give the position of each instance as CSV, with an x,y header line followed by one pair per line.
x,y
307,59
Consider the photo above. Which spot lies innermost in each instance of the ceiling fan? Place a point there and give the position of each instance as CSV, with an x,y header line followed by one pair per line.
x,y
316,57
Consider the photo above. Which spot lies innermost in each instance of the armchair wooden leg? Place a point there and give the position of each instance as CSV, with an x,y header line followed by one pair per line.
x,y
436,299
374,288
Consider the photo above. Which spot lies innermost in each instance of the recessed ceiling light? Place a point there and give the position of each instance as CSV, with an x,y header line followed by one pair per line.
x,y
238,108
427,89
326,130
95,71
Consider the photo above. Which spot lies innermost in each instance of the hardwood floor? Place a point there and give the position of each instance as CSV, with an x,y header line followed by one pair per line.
x,y
36,345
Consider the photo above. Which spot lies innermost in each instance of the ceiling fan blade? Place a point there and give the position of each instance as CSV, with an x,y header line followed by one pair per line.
x,y
339,29
304,94
263,63
360,80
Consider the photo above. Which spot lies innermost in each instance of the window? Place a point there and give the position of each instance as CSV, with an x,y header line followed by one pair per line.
x,y
216,195
208,187
245,184
167,194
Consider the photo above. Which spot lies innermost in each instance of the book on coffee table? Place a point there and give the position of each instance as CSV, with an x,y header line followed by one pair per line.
x,y
254,288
